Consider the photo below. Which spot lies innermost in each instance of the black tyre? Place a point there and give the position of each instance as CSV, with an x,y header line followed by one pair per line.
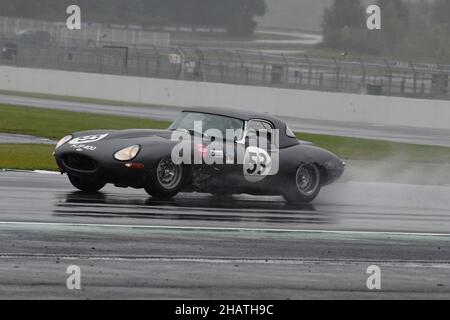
x,y
306,185
86,185
165,180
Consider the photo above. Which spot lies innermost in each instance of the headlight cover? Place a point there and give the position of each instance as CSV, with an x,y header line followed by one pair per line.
x,y
127,154
63,141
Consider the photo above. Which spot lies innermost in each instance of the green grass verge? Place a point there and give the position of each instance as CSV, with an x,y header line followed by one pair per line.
x,y
27,157
365,149
56,124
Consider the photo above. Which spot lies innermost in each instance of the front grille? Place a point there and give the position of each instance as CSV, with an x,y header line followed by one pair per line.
x,y
79,162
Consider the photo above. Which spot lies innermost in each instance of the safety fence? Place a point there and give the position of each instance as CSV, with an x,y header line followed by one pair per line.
x,y
243,67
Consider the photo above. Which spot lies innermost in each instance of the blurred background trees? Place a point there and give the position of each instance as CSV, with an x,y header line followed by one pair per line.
x,y
342,24
410,29
237,15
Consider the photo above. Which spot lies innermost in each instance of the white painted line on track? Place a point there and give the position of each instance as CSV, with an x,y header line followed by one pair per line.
x,y
230,229
47,172
32,171
232,260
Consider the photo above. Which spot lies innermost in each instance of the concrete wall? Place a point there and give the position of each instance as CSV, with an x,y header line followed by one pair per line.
x,y
283,102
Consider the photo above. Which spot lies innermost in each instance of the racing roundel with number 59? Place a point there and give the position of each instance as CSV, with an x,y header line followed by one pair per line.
x,y
88,139
257,164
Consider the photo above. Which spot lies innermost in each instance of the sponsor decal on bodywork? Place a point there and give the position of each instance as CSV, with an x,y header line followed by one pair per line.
x,y
82,147
88,139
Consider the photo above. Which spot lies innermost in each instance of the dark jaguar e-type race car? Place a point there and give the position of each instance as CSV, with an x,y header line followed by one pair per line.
x,y
208,150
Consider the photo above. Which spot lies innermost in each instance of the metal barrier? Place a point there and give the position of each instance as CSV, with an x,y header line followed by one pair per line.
x,y
241,67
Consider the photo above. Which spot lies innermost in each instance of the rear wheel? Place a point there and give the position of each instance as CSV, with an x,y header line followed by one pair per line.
x,y
166,180
86,185
306,185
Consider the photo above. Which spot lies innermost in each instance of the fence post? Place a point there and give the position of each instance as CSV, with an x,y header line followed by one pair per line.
x,y
158,60
389,76
201,60
422,87
100,60
221,66
338,71
286,72
402,88
443,74
411,64
242,64
364,72
183,62
263,61
309,69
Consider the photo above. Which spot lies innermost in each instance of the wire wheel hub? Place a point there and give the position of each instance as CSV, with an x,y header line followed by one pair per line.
x,y
307,179
168,174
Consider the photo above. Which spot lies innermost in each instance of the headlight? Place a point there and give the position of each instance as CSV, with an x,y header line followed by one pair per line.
x,y
63,141
127,154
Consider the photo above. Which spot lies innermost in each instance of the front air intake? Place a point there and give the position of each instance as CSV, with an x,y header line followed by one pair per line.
x,y
79,162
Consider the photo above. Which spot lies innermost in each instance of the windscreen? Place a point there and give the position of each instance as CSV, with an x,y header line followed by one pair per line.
x,y
187,121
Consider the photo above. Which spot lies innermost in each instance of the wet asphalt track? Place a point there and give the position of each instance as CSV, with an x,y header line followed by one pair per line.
x,y
197,246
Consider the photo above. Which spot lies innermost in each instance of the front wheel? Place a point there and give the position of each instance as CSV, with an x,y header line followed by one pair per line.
x,y
166,180
85,184
306,185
